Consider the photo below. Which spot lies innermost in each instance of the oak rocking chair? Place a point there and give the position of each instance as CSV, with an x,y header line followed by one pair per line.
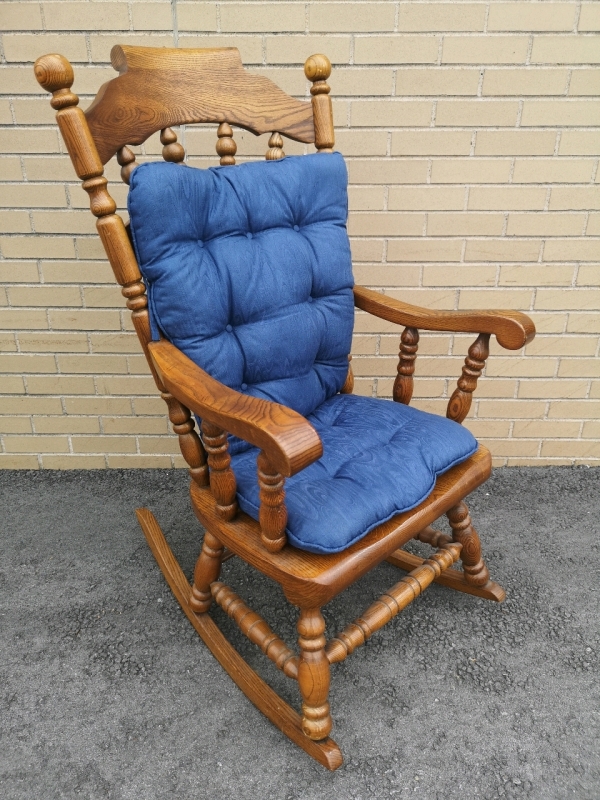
x,y
240,285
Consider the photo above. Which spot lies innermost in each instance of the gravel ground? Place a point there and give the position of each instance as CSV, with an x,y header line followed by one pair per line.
x,y
107,692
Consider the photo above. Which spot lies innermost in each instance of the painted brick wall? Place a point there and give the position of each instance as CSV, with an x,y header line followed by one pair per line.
x,y
471,134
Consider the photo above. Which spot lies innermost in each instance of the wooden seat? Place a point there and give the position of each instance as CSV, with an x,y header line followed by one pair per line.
x,y
159,88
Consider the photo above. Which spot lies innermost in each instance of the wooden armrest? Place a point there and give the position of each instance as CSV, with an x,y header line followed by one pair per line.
x,y
289,440
512,329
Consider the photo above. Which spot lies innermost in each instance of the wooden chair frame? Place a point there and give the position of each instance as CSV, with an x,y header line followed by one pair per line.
x,y
158,88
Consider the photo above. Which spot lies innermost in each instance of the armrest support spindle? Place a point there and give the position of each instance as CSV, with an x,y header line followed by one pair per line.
x,y
403,385
460,402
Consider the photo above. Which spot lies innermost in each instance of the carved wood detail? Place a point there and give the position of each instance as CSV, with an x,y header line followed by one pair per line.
x,y
432,537
460,402
172,150
222,477
313,674
189,441
256,629
403,385
474,568
317,69
207,570
275,151
226,146
272,512
126,160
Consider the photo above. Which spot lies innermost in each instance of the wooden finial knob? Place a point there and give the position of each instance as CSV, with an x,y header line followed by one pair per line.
x,y
317,68
55,74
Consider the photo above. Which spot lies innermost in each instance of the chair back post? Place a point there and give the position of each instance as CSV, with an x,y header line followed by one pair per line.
x,y
317,69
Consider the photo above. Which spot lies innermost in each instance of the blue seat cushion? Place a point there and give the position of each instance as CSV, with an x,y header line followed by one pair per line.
x,y
379,459
248,271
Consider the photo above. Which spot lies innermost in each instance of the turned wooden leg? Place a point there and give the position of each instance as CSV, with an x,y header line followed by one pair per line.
x,y
313,674
207,570
474,568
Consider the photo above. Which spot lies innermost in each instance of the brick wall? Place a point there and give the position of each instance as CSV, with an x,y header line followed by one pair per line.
x,y
471,133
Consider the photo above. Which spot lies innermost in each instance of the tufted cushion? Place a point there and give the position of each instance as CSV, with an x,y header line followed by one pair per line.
x,y
248,271
379,459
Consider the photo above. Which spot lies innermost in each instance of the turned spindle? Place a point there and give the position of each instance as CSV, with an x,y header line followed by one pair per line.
x,y
275,151
189,441
403,385
222,478
172,150
313,674
460,402
475,571
126,160
207,570
226,147
317,69
272,513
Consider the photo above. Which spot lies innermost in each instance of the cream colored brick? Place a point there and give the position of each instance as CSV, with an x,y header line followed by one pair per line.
x,y
464,224
36,444
424,387
363,82
518,16
579,368
103,444
296,49
436,81
134,425
63,221
572,249
549,322
196,17
139,462
114,343
502,250
396,49
250,47
44,296
589,17
85,320
159,444
149,406
89,79
510,447
496,429
574,409
429,344
10,168
424,250
465,275
385,224
350,17
125,384
364,345
470,170
515,143
18,80
567,299
495,298
532,81
387,171
15,425
426,198
366,198
584,323
430,406
27,363
591,430
66,424
593,226
98,405
545,224
154,16
484,49
6,117
15,222
48,168
588,275
292,81
553,170
8,343
18,272
12,384
517,367
560,112
579,448
14,319
366,250
53,342
493,387
92,364
507,197
73,462
31,112
103,297
546,389
257,18
433,143
9,461
362,143
390,113
511,409
476,113
441,17
77,272
370,366
565,50
584,82
66,16
34,194
536,275
37,247
574,198
387,275
575,143
60,384
20,16
563,346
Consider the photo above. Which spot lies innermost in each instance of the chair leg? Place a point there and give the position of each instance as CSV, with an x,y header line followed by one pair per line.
x,y
208,568
475,570
313,674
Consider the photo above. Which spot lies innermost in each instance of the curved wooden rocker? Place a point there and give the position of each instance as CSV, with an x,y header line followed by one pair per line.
x,y
158,88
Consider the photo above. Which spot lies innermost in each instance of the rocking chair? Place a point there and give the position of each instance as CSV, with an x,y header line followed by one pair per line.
x,y
239,279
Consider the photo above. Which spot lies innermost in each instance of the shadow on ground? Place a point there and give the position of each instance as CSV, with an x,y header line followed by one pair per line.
x,y
107,692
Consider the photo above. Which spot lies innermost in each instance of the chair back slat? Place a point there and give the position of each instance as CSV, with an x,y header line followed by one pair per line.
x,y
161,87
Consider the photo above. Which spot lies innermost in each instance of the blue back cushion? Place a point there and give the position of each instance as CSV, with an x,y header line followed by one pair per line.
x,y
248,271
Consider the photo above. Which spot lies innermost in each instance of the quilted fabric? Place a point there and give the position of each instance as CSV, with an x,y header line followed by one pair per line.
x,y
248,271
379,459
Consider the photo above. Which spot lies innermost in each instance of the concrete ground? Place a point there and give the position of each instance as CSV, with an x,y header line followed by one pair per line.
x,y
107,691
